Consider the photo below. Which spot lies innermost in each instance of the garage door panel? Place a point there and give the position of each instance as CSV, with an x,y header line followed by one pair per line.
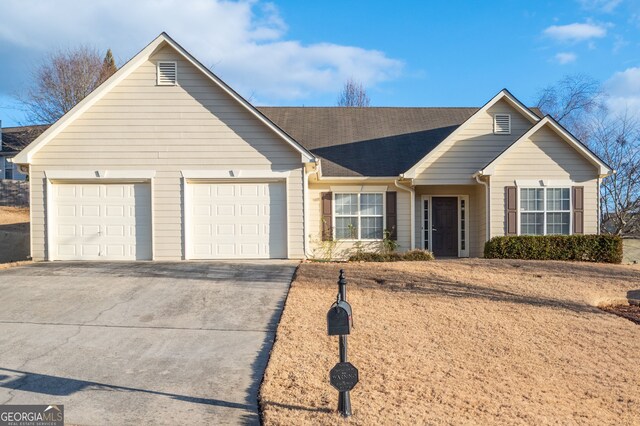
x,y
101,221
245,220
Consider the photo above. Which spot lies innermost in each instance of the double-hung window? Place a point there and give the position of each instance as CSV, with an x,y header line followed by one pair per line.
x,y
359,216
545,211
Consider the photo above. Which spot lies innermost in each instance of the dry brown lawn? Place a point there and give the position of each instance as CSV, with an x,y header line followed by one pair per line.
x,y
12,215
461,342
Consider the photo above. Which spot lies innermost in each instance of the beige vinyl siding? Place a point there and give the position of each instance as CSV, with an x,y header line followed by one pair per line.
x,y
476,214
344,248
458,159
544,156
192,126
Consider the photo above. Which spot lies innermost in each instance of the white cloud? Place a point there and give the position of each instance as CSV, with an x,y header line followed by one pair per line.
x,y
566,57
623,89
245,42
600,5
575,32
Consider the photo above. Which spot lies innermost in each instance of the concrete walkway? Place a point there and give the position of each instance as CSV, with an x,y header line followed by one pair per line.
x,y
140,343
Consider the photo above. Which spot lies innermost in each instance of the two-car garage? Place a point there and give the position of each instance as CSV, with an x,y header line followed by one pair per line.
x,y
112,220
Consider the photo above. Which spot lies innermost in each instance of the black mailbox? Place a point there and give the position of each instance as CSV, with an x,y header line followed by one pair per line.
x,y
339,319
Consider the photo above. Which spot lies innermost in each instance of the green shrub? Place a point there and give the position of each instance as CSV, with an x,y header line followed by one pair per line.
x,y
418,255
586,248
414,255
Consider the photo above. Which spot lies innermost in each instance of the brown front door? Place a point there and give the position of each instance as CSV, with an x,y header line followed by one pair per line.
x,y
444,227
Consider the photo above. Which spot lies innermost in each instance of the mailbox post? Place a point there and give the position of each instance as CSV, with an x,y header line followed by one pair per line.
x,y
344,376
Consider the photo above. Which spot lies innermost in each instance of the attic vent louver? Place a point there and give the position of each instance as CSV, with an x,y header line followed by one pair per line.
x,y
167,73
502,124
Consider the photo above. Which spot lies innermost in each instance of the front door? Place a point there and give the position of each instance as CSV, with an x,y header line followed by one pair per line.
x,y
444,227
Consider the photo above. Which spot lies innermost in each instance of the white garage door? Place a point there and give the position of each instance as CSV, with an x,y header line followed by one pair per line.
x,y
237,220
101,221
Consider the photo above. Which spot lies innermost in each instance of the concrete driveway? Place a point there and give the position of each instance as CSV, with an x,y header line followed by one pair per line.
x,y
140,343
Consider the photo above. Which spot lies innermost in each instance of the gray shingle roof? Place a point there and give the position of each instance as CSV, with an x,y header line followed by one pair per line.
x,y
14,139
368,141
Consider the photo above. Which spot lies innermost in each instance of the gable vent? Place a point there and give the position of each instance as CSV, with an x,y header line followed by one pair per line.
x,y
167,73
502,124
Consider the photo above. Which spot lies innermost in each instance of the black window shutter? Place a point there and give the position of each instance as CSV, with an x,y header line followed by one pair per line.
x,y
511,209
327,216
392,214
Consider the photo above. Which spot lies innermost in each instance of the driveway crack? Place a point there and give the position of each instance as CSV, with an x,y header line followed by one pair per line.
x,y
130,297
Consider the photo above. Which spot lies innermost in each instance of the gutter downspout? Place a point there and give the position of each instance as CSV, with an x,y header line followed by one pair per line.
x,y
412,226
487,191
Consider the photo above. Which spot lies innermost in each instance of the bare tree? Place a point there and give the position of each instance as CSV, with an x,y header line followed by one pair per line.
x,y
616,138
353,95
578,103
572,101
64,79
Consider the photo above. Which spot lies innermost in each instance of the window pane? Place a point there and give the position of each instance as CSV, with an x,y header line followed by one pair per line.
x,y
371,204
558,223
346,204
566,203
532,199
371,228
346,228
558,199
531,223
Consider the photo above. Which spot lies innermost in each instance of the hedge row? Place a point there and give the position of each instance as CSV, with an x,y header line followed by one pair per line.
x,y
586,248
413,255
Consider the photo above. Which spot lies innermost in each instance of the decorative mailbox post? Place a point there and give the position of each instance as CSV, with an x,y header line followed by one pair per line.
x,y
344,376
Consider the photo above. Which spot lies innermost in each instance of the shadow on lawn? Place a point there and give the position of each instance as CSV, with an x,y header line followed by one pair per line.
x,y
436,286
297,407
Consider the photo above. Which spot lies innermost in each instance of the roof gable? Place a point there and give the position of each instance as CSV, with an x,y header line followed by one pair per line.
x,y
550,123
505,95
26,155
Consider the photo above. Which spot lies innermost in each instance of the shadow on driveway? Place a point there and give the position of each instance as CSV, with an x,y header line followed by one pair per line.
x,y
64,386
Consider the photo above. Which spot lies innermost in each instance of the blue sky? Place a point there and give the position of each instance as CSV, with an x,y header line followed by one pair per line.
x,y
407,53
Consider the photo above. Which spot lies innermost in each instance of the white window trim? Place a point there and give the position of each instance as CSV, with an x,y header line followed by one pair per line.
x,y
359,216
545,211
495,127
429,198
175,64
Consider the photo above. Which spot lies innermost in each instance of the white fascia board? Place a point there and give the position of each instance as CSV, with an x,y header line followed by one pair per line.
x,y
99,174
26,155
234,174
503,94
603,169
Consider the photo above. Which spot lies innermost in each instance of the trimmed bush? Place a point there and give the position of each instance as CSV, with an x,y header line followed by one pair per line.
x,y
585,248
414,255
418,255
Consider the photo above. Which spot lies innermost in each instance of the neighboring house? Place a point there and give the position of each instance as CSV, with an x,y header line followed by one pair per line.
x,y
164,161
12,141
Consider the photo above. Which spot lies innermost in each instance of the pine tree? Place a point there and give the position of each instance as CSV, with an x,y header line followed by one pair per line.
x,y
108,66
